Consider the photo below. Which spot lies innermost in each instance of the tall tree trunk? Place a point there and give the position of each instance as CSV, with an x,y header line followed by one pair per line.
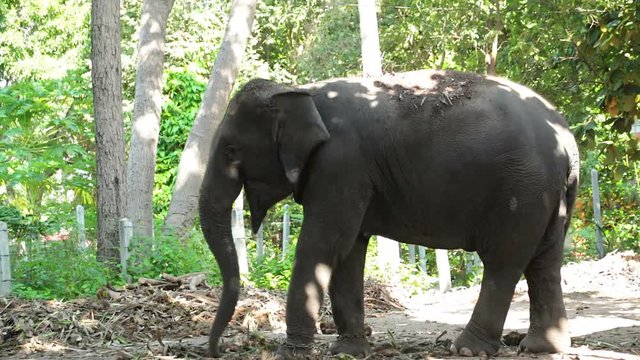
x,y
196,152
106,77
146,115
388,250
370,42
495,25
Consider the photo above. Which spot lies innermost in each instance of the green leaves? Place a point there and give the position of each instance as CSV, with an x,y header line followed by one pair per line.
x,y
151,258
42,39
59,271
46,141
183,93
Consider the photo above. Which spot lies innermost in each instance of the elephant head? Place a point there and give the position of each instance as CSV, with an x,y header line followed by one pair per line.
x,y
267,136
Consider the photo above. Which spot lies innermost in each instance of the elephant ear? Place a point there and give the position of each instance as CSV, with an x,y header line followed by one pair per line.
x,y
298,130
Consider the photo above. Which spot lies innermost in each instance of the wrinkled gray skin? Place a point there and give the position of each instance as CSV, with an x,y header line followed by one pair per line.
x,y
443,159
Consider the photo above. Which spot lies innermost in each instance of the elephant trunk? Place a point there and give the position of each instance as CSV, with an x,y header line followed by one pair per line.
x,y
216,200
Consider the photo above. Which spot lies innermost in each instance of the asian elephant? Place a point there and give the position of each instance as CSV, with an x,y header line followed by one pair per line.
x,y
444,159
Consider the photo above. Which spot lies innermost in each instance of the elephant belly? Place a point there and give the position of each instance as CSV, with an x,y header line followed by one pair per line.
x,y
438,232
497,211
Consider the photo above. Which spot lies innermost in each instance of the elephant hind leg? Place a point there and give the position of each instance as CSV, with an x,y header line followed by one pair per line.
x,y
548,329
481,336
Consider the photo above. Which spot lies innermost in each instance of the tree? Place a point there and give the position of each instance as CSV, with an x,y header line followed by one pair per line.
x,y
42,39
196,152
495,25
370,43
146,115
388,250
106,77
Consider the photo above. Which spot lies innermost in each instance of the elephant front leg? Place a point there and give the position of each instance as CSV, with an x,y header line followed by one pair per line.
x,y
309,282
347,301
321,244
481,336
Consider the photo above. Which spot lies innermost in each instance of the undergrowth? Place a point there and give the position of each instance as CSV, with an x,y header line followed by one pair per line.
x,y
57,270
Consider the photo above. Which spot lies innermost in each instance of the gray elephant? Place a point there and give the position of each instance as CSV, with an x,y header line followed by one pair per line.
x,y
444,159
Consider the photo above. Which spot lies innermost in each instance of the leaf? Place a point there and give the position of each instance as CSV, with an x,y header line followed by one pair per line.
x,y
628,103
618,173
611,154
13,132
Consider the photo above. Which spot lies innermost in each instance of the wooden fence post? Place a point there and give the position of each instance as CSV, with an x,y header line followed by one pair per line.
x,y
5,261
260,242
412,254
82,236
597,215
126,233
444,269
423,258
238,234
285,230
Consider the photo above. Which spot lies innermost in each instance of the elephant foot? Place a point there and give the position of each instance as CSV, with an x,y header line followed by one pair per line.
x,y
472,343
289,351
550,341
351,344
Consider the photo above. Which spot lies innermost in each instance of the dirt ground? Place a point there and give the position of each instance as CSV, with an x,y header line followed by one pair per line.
x,y
170,318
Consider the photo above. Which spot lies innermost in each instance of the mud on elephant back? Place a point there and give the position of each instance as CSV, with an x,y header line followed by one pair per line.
x,y
443,159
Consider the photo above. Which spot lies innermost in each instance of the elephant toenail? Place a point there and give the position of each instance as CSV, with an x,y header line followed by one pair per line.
x,y
482,354
466,352
453,349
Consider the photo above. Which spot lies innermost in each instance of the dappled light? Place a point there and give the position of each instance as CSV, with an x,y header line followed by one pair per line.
x,y
316,288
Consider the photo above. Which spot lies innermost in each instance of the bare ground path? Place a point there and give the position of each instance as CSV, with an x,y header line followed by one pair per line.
x,y
169,321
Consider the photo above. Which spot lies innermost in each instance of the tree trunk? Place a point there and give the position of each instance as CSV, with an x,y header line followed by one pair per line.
x,y
388,250
146,115
492,60
370,42
196,152
106,77
495,26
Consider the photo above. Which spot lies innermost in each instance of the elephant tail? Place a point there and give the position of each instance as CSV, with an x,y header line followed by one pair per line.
x,y
573,176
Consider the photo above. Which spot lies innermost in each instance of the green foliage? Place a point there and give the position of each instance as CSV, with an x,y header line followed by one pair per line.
x,y
46,144
165,254
272,271
194,33
42,39
409,275
23,227
277,40
464,271
610,48
58,270
333,49
183,94
621,229
433,34
619,200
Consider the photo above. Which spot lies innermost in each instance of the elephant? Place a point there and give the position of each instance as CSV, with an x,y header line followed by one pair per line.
x,y
439,158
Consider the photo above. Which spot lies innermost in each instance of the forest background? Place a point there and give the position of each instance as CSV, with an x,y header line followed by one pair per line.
x,y
582,55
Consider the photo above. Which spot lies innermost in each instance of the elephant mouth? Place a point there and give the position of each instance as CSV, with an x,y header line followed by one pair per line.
x,y
261,197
